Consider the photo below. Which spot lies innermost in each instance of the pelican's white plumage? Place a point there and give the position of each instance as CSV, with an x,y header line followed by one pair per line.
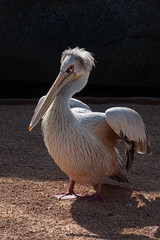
x,y
81,142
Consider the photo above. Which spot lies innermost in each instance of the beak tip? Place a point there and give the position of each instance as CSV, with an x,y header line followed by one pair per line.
x,y
30,128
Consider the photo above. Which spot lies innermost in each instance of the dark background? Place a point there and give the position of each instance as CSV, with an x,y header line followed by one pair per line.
x,y
123,35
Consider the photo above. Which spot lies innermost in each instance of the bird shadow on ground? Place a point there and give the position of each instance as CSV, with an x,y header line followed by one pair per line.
x,y
124,213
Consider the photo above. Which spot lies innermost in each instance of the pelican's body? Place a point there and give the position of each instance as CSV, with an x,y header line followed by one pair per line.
x,y
81,142
74,145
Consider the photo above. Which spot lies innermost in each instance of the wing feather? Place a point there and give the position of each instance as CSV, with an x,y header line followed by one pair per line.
x,y
75,103
129,125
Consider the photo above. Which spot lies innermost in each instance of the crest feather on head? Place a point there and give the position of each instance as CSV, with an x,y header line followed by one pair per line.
x,y
85,58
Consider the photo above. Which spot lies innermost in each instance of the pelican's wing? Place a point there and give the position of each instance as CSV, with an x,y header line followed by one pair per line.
x,y
74,103
81,112
129,125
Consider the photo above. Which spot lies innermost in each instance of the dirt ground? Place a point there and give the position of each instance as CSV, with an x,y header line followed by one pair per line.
x,y
28,175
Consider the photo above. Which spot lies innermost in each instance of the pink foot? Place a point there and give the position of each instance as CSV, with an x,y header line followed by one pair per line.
x,y
66,195
94,197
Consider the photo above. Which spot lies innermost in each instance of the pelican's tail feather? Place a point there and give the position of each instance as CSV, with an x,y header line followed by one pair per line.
x,y
129,151
119,177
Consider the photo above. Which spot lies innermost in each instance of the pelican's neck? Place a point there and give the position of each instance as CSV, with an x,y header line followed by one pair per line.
x,y
64,96
60,114
60,111
61,104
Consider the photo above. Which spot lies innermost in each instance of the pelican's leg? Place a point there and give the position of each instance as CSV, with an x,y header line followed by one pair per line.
x,y
68,195
96,196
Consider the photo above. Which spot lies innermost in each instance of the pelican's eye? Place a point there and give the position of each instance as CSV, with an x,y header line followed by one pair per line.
x,y
70,69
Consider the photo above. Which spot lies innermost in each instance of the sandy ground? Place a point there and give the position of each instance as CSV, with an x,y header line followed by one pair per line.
x,y
28,175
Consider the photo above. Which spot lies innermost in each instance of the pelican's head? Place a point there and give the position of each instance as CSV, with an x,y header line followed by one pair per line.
x,y
79,62
76,65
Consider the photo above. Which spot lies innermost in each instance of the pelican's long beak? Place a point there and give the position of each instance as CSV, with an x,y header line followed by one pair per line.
x,y
62,79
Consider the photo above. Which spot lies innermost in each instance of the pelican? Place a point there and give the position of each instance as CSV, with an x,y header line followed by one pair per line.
x,y
81,142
